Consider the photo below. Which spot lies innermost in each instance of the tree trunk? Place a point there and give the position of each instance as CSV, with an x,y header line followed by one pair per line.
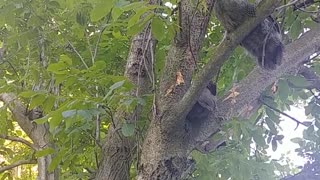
x,y
166,147
118,150
38,133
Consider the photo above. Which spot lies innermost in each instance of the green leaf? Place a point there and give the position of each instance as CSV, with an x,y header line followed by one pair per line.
x,y
117,85
41,120
308,109
65,59
278,137
128,129
274,144
258,138
283,91
271,126
272,115
100,10
116,12
269,101
98,65
56,160
55,121
37,100
44,152
136,28
70,121
27,94
82,18
296,140
158,28
69,113
310,131
303,95
299,81
57,68
85,114
296,29
122,3
133,6
135,18
269,138
48,104
3,123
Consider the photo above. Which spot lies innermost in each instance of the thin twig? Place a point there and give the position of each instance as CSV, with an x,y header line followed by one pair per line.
x,y
283,113
81,58
89,45
100,34
286,5
145,51
311,12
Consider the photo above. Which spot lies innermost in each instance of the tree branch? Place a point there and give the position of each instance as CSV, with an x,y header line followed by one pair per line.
x,y
283,113
118,150
183,54
18,110
258,80
18,139
221,54
18,163
164,139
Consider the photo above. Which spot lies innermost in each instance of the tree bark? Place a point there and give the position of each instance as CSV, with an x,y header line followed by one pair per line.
x,y
38,133
164,149
118,150
168,142
251,87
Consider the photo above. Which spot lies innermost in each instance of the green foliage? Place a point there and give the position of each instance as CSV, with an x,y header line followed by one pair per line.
x,y
234,161
263,130
68,57
128,129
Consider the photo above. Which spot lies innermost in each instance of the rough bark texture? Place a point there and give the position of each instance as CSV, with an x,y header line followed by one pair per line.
x,y
164,149
167,138
168,141
38,133
118,150
258,80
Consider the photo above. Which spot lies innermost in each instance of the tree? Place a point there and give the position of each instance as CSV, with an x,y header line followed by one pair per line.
x,y
83,115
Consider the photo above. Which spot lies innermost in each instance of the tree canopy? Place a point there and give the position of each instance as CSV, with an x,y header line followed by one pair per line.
x,y
101,89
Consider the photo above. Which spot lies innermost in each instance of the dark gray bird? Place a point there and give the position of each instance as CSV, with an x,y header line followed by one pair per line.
x,y
204,105
263,42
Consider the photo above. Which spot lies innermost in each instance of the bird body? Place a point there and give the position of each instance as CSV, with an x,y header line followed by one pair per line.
x,y
263,42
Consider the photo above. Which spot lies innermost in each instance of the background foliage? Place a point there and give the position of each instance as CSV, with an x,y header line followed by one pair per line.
x,y
68,58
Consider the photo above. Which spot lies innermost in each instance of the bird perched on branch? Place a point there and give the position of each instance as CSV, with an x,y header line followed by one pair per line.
x,y
205,104
263,42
